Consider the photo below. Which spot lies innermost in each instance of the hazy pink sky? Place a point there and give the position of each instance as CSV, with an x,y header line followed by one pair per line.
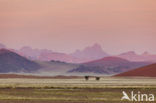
x,y
66,25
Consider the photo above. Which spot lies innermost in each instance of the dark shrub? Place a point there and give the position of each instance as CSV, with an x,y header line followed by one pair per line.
x,y
86,77
97,78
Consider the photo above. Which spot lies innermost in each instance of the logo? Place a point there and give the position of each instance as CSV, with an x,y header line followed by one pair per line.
x,y
137,96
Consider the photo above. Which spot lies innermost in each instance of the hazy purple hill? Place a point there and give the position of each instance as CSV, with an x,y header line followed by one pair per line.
x,y
108,65
12,62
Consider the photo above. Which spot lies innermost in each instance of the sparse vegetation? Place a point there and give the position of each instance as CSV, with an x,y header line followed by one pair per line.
x,y
97,78
77,90
86,77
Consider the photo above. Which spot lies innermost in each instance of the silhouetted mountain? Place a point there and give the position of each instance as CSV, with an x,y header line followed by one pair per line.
x,y
146,71
108,65
12,62
90,53
132,56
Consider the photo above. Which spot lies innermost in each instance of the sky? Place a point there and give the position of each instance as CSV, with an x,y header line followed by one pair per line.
x,y
66,25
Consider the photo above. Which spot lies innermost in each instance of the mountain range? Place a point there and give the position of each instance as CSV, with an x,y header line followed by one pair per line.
x,y
89,60
132,56
108,65
12,62
89,53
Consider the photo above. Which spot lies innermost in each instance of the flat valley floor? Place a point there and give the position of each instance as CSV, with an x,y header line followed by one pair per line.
x,y
73,90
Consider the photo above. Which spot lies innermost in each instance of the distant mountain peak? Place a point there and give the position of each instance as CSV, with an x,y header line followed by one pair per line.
x,y
96,45
91,52
32,53
132,56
